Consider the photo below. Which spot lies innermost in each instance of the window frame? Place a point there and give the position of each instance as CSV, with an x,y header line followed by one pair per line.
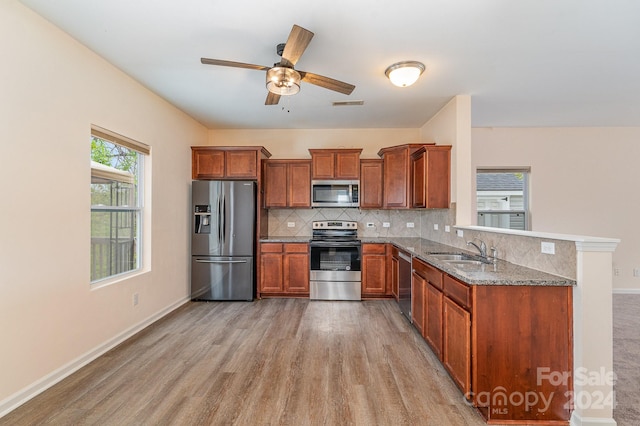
x,y
526,211
143,152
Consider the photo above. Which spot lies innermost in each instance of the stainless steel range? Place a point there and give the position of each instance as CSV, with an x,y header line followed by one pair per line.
x,y
335,261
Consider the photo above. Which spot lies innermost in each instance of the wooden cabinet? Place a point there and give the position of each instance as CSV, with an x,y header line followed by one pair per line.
x,y
284,269
374,271
432,303
287,183
335,163
492,339
456,345
225,162
418,292
431,177
416,176
371,184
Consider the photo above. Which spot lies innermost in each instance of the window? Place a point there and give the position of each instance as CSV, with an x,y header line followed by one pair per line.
x,y
116,203
503,198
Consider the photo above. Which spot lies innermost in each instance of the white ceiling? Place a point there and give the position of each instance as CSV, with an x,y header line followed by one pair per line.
x,y
524,62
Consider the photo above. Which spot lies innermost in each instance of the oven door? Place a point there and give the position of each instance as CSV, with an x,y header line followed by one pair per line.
x,y
335,271
337,256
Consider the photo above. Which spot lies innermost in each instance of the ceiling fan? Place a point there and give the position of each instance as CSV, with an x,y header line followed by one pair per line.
x,y
282,79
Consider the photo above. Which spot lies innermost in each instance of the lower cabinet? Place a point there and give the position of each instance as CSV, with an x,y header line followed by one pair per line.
x,y
494,340
284,269
374,271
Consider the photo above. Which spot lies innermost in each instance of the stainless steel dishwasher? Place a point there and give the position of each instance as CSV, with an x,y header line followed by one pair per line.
x,y
404,283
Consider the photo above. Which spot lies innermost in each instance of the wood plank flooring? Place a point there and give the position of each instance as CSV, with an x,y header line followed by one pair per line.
x,y
268,362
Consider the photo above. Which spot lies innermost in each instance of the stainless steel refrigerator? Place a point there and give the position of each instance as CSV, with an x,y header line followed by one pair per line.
x,y
223,240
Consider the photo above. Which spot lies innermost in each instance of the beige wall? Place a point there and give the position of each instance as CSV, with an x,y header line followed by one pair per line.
x,y
583,181
53,89
287,144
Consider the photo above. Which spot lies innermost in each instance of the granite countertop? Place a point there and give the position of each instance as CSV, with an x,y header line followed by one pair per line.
x,y
499,273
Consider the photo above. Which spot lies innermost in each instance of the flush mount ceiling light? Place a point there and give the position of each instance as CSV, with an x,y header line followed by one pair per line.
x,y
283,81
403,74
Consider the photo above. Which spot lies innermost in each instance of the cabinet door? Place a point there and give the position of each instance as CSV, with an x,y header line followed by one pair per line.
x,y
433,319
275,184
323,165
296,269
418,193
370,184
374,270
418,285
396,178
347,165
438,177
457,344
241,164
271,273
394,277
300,184
207,164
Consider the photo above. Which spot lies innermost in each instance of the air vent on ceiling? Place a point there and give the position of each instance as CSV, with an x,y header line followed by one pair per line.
x,y
348,103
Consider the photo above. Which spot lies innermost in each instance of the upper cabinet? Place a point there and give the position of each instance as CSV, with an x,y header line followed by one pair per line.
x,y
416,176
225,162
287,183
339,164
370,184
431,177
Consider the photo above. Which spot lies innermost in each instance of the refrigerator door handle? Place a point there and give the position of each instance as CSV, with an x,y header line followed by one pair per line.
x,y
224,220
219,220
220,261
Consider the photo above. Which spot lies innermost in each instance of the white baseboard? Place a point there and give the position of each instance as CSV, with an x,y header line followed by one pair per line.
x,y
626,291
576,420
14,401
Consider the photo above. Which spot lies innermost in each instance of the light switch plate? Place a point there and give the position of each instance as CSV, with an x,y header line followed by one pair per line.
x,y
547,247
447,228
460,233
370,225
435,226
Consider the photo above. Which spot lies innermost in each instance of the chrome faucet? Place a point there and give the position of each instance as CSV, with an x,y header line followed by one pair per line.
x,y
482,248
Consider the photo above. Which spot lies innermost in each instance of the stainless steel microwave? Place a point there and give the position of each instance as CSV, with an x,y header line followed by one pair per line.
x,y
335,193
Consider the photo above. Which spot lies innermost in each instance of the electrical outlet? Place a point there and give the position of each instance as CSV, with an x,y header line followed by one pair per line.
x,y
291,224
447,228
636,272
547,247
410,225
370,225
136,299
386,225
616,272
435,226
460,233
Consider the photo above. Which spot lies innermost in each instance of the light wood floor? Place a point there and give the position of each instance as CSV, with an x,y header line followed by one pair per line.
x,y
269,362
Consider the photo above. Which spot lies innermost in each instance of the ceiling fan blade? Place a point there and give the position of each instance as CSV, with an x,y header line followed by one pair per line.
x,y
327,83
272,99
220,62
297,42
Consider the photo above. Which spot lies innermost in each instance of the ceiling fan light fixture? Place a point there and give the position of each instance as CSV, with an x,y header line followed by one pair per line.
x,y
404,74
283,81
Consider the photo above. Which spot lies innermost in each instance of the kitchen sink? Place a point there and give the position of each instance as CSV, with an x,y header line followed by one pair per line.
x,y
459,258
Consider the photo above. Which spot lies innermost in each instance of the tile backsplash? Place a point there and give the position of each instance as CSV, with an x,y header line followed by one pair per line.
x,y
521,250
279,219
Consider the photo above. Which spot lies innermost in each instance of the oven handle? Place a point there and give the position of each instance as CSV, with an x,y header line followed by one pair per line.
x,y
335,244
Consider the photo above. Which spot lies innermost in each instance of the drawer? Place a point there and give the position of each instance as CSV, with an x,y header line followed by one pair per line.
x,y
428,272
296,248
457,291
271,248
374,249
